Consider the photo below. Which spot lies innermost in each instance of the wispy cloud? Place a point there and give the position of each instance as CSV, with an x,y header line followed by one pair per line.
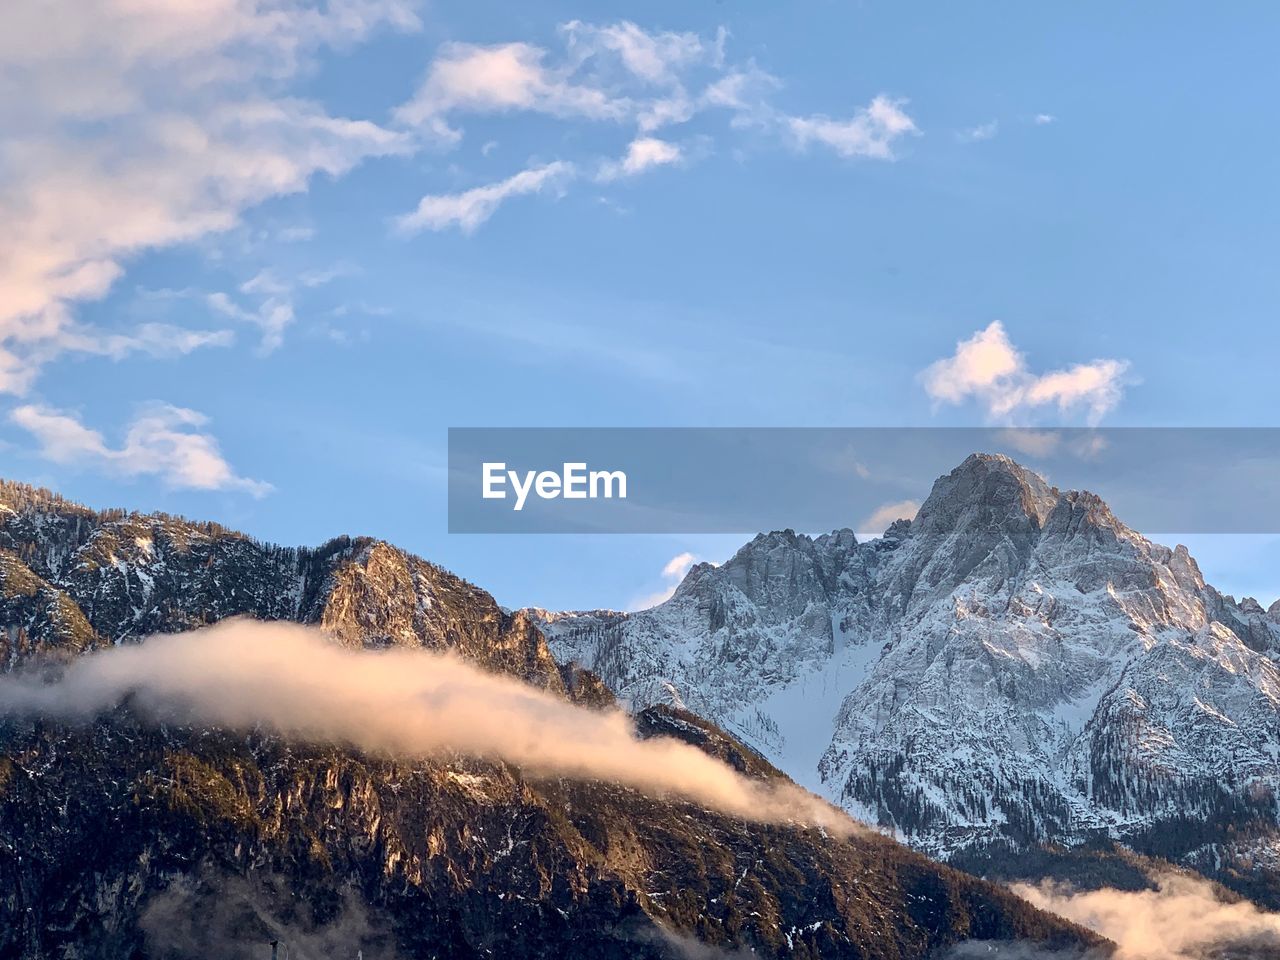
x,y
469,209
1044,119
983,131
621,75
617,72
162,441
988,368
1047,443
870,132
272,316
149,125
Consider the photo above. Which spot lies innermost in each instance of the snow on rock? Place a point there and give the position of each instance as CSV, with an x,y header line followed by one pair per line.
x,y
1014,663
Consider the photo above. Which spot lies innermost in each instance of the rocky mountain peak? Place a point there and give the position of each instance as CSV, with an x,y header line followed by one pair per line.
x,y
989,488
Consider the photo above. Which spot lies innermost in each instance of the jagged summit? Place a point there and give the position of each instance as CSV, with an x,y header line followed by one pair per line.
x,y
996,487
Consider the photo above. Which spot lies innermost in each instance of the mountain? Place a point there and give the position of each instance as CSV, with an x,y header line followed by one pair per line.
x,y
125,837
1011,668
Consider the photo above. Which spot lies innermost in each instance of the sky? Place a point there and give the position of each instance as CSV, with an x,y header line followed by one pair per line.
x,y
259,255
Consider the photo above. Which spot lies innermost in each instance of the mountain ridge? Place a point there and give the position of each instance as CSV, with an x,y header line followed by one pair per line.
x,y
995,671
118,835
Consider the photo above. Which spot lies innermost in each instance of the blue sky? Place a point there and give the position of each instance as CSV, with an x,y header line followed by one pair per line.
x,y
259,256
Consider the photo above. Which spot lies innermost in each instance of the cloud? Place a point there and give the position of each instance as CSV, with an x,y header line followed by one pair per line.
x,y
275,313
134,126
1183,919
271,317
983,131
988,368
643,154
412,703
1044,119
621,75
656,58
161,441
469,209
673,573
882,516
1034,443
501,78
869,133
615,73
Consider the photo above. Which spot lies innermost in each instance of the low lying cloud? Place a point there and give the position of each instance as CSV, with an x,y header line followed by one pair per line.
x,y
469,209
162,441
244,674
989,369
1181,920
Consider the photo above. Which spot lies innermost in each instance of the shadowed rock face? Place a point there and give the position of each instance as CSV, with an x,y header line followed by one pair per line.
x,y
1013,666
124,838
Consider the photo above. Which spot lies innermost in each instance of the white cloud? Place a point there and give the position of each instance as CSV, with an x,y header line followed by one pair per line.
x,y
469,209
983,131
617,72
162,441
679,565
1047,443
271,318
656,58
1034,443
1044,119
132,125
988,368
643,154
868,133
885,514
673,572
266,282
276,311
495,79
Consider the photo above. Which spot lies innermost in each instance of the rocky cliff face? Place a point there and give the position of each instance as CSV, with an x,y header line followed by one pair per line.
x,y
124,838
1013,666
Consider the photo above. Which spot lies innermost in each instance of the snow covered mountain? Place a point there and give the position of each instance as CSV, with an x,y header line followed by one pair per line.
x,y
1012,667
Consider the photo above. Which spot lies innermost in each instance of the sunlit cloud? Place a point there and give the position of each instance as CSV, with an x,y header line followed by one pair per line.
x,y
988,368
162,441
880,518
643,153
